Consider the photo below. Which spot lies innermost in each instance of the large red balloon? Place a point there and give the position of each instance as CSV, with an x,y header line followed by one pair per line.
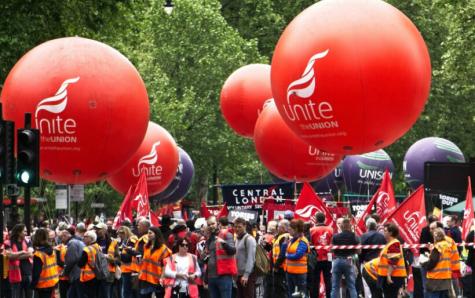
x,y
157,156
286,155
88,101
242,97
350,76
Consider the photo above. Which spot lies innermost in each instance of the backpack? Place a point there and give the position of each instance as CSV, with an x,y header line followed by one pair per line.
x,y
262,263
101,266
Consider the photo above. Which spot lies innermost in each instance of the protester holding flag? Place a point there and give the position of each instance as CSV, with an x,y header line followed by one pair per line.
x,y
151,268
392,267
322,234
296,251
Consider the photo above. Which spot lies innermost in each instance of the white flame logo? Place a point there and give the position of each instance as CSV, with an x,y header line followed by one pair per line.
x,y
151,158
307,211
57,103
308,78
382,203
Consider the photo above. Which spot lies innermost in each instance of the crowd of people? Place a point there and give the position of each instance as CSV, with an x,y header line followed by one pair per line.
x,y
216,258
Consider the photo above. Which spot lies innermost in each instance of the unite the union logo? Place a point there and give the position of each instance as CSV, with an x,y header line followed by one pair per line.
x,y
148,165
54,128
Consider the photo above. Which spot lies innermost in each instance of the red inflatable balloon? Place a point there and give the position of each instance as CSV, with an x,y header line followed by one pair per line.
x,y
157,156
350,76
242,97
88,101
286,155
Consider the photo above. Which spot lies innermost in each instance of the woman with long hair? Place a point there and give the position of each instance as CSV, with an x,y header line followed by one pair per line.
x,y
45,270
127,241
155,252
20,262
182,272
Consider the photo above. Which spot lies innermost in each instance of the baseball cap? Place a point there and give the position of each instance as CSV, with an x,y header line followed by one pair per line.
x,y
100,225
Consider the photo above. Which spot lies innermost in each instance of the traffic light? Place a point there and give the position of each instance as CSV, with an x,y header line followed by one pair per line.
x,y
28,157
7,160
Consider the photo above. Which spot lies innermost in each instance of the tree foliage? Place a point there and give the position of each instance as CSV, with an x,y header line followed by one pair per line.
x,y
184,59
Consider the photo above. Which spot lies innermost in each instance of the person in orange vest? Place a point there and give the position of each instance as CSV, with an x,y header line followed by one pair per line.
x,y
439,266
222,266
155,252
370,275
20,262
45,275
89,283
127,241
392,267
296,251
182,272
279,284
61,250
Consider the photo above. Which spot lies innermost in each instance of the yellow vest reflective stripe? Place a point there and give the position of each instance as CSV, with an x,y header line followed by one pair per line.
x,y
49,275
276,249
399,270
297,266
136,264
455,257
371,268
443,268
128,267
152,263
111,254
87,273
62,255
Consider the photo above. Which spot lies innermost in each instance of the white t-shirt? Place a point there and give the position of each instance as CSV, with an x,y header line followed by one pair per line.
x,y
181,266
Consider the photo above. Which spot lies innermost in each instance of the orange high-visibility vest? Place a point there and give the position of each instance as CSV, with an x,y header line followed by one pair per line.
x,y
62,255
152,264
136,264
399,270
111,254
276,249
455,257
371,268
14,272
297,266
87,273
443,268
49,276
168,283
5,266
128,267
225,264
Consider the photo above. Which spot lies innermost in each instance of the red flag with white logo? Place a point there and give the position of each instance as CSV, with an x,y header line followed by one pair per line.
x,y
410,216
154,220
308,204
384,200
140,197
125,210
468,213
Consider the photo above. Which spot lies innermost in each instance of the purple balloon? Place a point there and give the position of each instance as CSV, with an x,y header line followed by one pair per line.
x,y
424,150
330,183
363,173
186,171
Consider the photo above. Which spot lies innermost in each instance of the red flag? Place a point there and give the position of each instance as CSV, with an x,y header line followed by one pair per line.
x,y
468,213
140,197
410,216
223,212
154,220
309,203
125,210
204,210
384,200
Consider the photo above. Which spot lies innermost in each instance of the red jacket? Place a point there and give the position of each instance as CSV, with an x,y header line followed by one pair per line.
x,y
321,235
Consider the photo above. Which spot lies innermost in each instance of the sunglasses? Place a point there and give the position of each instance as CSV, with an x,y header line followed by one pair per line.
x,y
184,245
